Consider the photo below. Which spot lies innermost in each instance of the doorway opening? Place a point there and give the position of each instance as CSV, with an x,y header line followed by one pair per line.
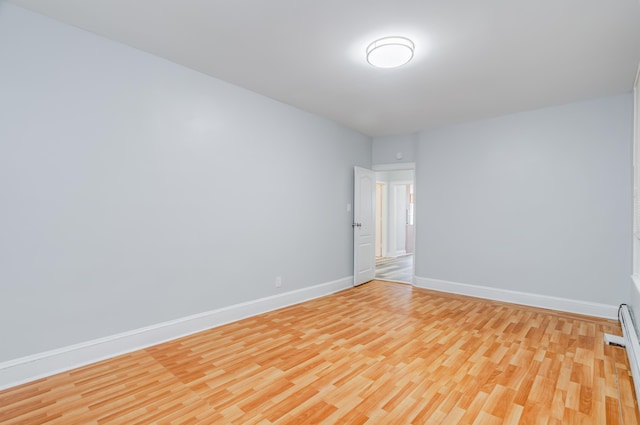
x,y
395,225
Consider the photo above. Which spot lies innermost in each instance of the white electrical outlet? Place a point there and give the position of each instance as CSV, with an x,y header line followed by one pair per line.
x,y
278,281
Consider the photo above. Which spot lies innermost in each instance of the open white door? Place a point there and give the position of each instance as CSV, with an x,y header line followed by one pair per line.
x,y
364,260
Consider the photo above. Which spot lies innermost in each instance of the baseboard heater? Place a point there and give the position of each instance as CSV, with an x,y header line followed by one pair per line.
x,y
628,340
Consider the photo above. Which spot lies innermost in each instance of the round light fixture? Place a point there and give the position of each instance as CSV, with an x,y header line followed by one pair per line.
x,y
390,52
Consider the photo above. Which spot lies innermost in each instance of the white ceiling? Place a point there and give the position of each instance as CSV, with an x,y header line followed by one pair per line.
x,y
473,59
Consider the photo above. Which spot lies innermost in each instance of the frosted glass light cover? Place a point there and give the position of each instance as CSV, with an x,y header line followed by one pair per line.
x,y
390,52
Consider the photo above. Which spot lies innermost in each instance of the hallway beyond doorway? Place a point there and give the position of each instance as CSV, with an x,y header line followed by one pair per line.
x,y
398,269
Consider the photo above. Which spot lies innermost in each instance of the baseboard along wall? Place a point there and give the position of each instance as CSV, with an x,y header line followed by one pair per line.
x,y
29,368
523,298
25,369
622,313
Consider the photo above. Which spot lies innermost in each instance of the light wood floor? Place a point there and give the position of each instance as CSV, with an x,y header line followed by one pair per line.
x,y
381,353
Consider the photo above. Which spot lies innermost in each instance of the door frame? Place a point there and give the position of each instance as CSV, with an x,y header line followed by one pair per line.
x,y
402,167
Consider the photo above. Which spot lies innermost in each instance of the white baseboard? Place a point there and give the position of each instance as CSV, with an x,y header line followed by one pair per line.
x,y
25,369
524,298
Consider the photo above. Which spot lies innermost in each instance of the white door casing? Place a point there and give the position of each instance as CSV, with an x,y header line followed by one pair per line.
x,y
364,264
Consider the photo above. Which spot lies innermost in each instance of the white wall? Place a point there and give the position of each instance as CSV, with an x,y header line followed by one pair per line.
x,y
536,202
135,191
386,149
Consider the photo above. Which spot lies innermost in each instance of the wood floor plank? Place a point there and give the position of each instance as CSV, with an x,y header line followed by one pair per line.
x,y
380,353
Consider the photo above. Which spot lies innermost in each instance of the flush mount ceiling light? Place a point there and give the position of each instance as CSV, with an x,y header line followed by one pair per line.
x,y
390,52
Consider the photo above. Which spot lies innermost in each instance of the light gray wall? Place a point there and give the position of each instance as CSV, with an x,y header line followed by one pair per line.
x,y
386,149
135,191
395,176
537,202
